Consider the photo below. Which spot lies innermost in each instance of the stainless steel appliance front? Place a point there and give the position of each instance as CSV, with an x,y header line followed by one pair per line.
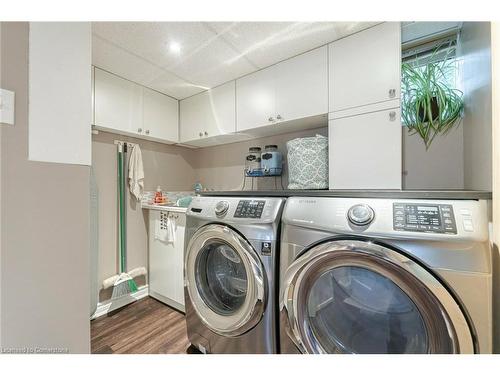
x,y
225,280
377,289
230,278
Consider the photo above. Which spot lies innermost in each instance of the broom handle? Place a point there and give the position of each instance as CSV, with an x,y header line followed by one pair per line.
x,y
124,198
121,252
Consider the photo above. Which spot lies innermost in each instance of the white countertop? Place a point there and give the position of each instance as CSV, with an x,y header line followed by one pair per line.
x,y
164,208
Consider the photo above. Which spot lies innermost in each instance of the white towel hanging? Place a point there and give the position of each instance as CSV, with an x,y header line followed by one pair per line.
x,y
136,173
171,228
161,231
165,228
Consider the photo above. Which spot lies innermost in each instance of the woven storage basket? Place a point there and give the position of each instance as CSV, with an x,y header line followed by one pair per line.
x,y
308,163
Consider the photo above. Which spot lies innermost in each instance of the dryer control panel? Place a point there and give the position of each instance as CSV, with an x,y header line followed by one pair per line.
x,y
416,217
250,208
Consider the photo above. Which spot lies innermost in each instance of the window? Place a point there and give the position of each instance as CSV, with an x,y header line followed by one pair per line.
x,y
442,51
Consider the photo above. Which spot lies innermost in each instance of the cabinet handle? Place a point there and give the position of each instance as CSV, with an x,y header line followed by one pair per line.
x,y
201,134
392,93
139,130
271,119
147,131
206,133
392,116
279,117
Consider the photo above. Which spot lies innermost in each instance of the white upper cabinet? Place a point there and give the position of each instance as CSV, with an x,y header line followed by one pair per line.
x,y
364,102
117,102
256,99
302,85
293,89
60,92
365,68
208,114
125,107
160,116
365,151
93,95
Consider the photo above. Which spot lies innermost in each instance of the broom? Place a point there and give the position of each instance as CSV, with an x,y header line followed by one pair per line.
x,y
123,283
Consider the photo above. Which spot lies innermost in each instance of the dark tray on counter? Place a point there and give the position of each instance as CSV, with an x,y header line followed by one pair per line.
x,y
400,194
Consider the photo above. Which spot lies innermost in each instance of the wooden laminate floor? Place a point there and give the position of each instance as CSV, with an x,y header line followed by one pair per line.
x,y
145,326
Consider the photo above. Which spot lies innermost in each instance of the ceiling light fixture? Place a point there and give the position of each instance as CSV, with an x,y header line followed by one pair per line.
x,y
175,47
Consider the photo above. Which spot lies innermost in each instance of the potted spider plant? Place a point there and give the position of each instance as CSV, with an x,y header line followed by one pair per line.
x,y
429,106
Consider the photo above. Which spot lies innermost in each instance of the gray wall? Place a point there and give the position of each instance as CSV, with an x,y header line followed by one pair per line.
x,y
0,197
171,167
462,158
439,167
475,50
174,168
44,233
495,34
221,167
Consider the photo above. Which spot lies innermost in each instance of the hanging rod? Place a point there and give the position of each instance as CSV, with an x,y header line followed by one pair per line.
x,y
129,144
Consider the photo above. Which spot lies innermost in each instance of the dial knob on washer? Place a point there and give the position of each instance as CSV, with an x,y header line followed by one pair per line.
x,y
361,214
221,208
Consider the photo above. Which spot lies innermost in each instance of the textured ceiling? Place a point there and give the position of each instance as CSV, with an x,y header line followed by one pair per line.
x,y
211,53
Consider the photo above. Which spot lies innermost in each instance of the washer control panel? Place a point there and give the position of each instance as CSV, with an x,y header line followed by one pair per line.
x,y
416,217
250,208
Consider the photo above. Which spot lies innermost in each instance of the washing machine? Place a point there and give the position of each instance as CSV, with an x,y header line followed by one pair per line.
x,y
385,276
230,267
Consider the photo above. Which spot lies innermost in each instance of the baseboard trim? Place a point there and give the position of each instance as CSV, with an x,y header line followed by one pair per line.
x,y
106,307
168,301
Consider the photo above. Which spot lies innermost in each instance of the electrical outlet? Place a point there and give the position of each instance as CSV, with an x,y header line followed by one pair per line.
x,y
7,106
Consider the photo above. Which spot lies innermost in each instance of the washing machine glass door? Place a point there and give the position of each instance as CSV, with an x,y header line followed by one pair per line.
x,y
225,280
359,297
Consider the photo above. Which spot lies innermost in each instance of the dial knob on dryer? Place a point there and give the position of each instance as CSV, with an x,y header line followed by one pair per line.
x,y
221,208
360,214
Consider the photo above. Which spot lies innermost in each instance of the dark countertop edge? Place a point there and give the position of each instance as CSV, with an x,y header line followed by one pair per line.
x,y
401,194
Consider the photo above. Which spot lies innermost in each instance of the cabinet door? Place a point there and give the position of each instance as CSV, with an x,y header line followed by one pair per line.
x,y
212,112
179,257
117,102
365,68
256,100
160,116
157,253
302,85
365,151
93,95
166,262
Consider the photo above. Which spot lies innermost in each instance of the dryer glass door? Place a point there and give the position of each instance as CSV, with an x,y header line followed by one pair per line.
x,y
225,280
357,310
221,277
359,297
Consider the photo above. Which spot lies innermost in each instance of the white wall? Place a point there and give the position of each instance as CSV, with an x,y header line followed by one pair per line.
x,y
60,92
474,49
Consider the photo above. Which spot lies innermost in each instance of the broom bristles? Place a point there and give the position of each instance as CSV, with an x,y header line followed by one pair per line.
x,y
123,286
120,289
132,286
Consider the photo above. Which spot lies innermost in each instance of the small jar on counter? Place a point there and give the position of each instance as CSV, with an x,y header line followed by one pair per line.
x,y
271,161
252,162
